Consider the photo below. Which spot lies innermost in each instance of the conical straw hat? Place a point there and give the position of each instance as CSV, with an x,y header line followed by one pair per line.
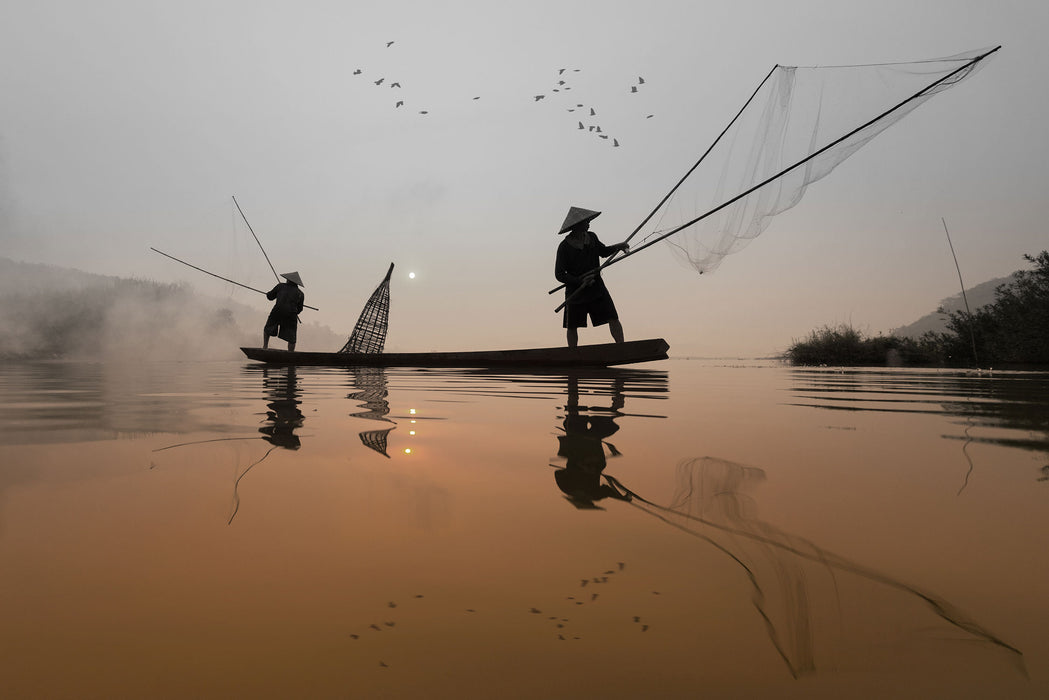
x,y
577,215
293,277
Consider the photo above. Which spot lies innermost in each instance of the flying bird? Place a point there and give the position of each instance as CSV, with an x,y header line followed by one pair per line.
x,y
539,97
592,112
650,116
640,80
633,88
379,81
357,72
400,103
561,70
423,112
615,142
393,85
478,97
598,130
580,125
389,44
602,136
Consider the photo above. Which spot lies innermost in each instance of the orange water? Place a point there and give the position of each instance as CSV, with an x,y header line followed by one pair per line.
x,y
688,529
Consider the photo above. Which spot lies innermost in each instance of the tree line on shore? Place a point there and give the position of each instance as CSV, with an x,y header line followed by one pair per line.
x,y
1011,331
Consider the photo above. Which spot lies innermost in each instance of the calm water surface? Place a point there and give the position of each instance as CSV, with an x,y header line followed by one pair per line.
x,y
690,529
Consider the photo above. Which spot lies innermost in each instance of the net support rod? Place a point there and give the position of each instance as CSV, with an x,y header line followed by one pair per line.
x,y
224,279
801,162
256,240
690,170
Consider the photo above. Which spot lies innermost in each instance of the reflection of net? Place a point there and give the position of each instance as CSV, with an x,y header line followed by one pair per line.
x,y
821,610
369,335
376,440
372,384
799,115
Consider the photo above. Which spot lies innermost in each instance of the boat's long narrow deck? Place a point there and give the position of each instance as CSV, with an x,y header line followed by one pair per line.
x,y
602,355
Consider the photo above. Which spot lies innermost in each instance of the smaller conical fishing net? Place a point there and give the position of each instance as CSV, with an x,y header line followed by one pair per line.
x,y
369,335
376,440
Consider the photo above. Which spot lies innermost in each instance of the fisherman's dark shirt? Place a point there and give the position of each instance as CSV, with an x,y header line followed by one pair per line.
x,y
572,263
289,299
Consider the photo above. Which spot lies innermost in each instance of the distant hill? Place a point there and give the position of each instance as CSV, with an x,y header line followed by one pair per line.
x,y
55,312
978,296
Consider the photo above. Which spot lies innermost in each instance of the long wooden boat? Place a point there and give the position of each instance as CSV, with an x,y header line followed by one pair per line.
x,y
602,355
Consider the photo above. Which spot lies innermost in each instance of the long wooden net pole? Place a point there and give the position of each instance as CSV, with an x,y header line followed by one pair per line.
x,y
801,162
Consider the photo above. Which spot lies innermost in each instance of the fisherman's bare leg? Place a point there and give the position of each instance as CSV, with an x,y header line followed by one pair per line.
x,y
291,347
616,329
265,340
573,337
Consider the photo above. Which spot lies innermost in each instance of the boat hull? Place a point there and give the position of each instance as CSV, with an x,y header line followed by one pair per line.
x,y
604,355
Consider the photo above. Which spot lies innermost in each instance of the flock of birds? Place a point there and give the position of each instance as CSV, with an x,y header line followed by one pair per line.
x,y
588,111
562,624
558,92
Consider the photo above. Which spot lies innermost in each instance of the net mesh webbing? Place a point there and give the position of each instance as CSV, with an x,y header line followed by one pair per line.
x,y
369,334
816,116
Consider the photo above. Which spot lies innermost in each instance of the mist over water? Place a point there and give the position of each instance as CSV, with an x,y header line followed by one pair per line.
x,y
57,313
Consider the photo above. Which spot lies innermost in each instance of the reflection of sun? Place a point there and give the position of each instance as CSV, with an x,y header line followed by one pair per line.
x,y
407,450
411,275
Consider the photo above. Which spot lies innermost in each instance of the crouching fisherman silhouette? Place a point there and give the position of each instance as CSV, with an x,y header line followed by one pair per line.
x,y
283,320
578,268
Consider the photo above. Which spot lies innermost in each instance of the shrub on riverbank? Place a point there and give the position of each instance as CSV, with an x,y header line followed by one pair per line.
x,y
843,345
1014,330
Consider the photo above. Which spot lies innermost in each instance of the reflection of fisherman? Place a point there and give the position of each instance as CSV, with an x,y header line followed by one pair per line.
x,y
583,447
578,268
283,416
284,318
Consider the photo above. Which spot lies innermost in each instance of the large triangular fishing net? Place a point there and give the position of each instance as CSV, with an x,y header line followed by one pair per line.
x,y
812,118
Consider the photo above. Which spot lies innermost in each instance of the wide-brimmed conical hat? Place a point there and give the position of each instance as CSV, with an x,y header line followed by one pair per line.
x,y
293,277
577,215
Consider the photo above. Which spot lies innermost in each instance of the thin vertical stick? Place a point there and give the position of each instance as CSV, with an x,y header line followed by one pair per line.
x,y
256,240
968,313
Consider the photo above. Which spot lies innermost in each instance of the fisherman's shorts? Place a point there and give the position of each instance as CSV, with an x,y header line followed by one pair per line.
x,y
600,310
283,326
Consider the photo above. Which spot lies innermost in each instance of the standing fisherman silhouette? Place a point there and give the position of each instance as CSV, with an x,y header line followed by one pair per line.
x,y
578,268
283,320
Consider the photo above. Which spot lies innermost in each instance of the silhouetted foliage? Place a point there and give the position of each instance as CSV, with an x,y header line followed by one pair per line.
x,y
1014,330
844,345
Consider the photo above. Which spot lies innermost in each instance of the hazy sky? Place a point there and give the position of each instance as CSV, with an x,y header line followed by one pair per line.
x,y
130,124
